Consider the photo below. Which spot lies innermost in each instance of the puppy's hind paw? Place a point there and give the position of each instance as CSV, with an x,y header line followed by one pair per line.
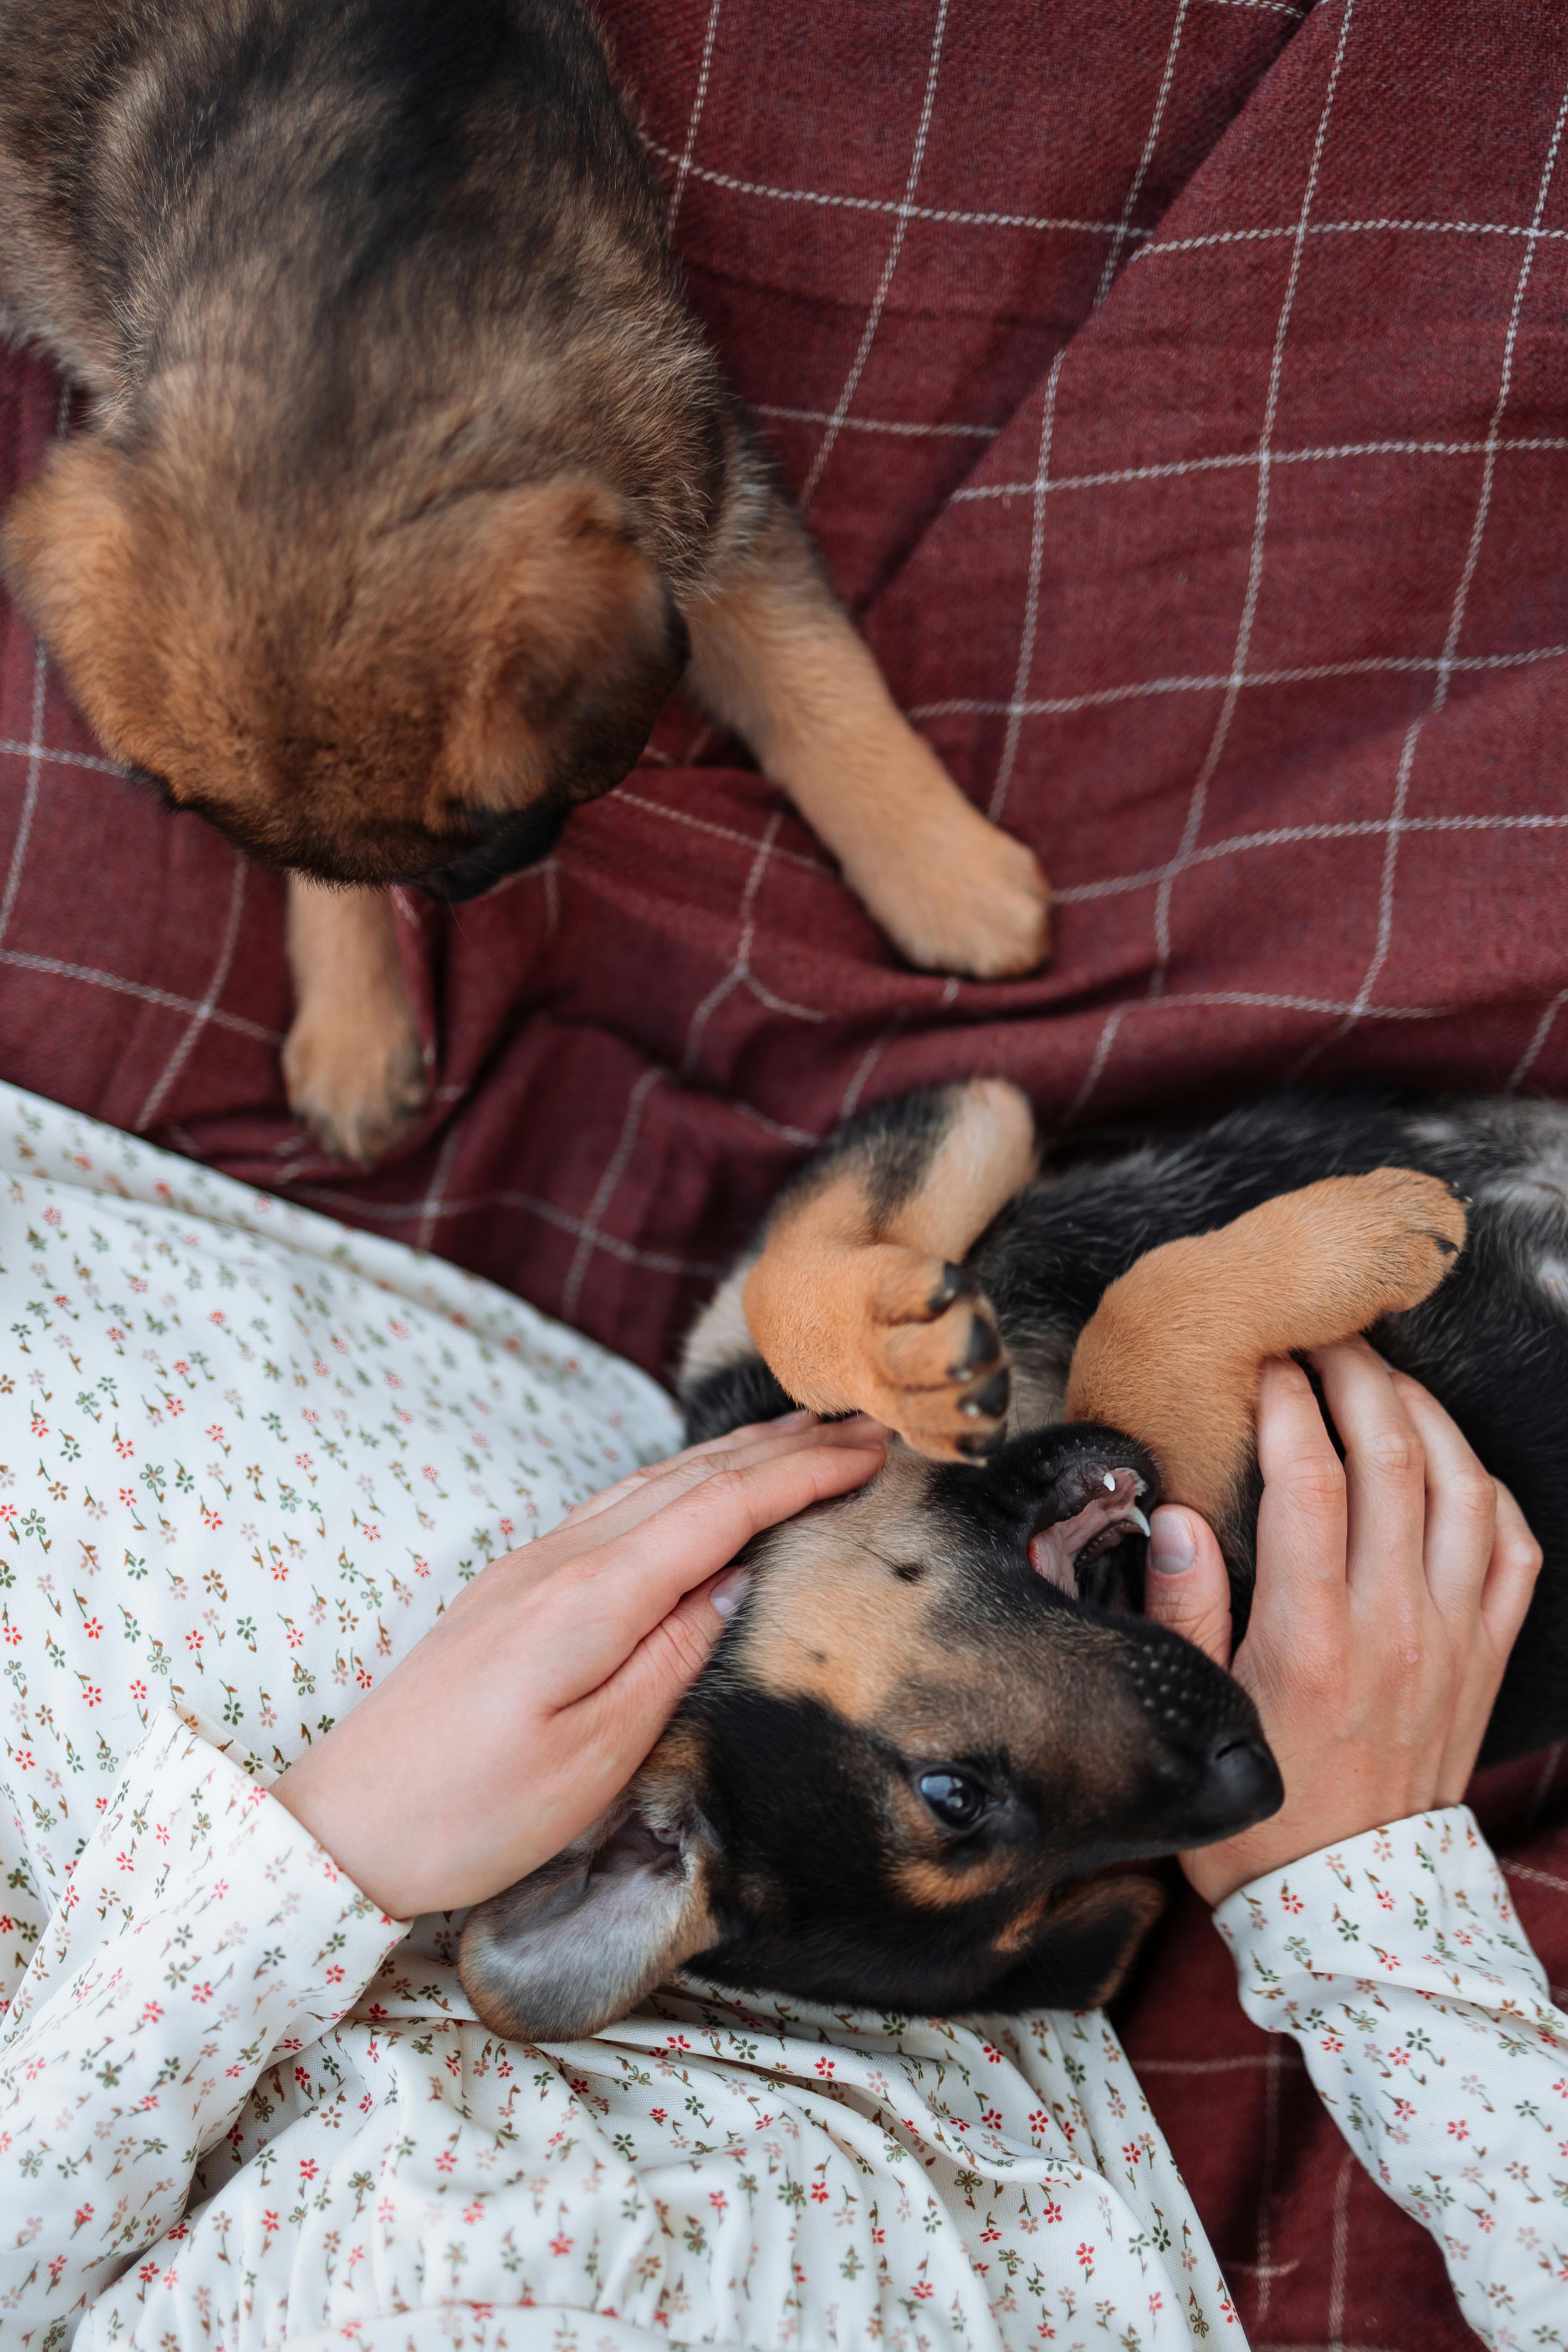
x,y
355,1078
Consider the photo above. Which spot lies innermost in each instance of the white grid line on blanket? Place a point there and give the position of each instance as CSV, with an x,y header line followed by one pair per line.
x,y
704,69
204,1009
11,750
54,968
1385,937
591,1237
877,424
400,1211
1538,1035
944,214
845,400
1209,681
1241,459
1009,755
1153,248
1199,800
1370,828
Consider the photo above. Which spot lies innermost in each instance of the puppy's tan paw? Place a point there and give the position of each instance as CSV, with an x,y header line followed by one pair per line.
x,y
355,1076
1404,1233
930,1359
964,898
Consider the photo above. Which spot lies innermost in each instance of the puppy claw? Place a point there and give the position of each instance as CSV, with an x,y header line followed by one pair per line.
x,y
983,1347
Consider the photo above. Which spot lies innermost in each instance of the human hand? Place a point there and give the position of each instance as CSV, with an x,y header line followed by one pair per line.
x,y
532,1700
1389,1592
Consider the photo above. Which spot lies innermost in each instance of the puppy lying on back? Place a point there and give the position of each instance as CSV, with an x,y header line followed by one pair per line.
x,y
939,1709
412,488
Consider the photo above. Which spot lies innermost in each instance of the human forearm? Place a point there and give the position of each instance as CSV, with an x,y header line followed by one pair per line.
x,y
202,1932
1395,1962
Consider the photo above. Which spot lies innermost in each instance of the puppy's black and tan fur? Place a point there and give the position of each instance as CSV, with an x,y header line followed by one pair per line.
x,y
412,486
939,1709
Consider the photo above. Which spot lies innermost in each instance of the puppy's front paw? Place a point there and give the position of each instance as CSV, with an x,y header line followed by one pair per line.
x,y
963,898
932,1362
1404,1233
355,1075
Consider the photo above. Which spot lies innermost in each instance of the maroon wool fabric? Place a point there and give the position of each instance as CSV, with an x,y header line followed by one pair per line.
x,y
1177,391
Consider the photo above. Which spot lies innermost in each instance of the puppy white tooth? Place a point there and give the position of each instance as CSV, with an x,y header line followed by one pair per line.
x,y
1139,1521
1111,1482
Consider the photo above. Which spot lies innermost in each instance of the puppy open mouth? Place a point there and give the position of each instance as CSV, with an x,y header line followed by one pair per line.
x,y
1059,1551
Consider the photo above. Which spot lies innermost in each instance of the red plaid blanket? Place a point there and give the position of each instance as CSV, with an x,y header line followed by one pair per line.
x,y
1177,391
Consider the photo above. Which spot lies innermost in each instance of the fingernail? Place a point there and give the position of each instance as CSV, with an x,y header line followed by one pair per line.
x,y
798,1416
1171,1551
731,1590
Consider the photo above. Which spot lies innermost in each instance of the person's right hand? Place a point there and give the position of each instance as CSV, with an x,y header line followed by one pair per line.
x,y
532,1700
1389,1592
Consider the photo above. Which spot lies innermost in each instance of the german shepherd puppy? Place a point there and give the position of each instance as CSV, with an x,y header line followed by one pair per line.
x,y
938,1708
412,487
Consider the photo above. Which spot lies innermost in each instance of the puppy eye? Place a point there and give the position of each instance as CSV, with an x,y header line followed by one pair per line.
x,y
957,1798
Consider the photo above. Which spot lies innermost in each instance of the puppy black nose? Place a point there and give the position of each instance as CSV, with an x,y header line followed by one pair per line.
x,y
1240,1784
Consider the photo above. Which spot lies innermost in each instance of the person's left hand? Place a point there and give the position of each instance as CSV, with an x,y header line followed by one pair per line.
x,y
532,1700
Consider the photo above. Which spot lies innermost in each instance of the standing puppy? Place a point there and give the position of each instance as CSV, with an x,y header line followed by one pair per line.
x,y
412,487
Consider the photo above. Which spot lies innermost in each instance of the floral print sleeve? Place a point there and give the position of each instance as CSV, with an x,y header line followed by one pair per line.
x,y
1396,1964
202,1935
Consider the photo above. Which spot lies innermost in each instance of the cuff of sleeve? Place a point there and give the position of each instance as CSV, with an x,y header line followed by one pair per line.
x,y
1420,1903
285,1942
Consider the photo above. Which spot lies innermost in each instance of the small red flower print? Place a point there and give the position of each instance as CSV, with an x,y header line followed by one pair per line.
x,y
217,1315
209,1517
446,2162
561,2245
193,1641
150,2012
472,2213
92,1629
993,2115
1040,2121
201,1992
1086,2256
992,2054
40,1426
1051,2209
879,2237
269,2223
125,1449
83,2216
1458,2130
126,1860
924,2290
92,1695
819,2192
138,1691
825,2065
1332,2042
717,2198
658,2114
335,1975
215,1433
989,2235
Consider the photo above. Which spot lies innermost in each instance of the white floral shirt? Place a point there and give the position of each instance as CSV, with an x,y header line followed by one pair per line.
x,y
244,1457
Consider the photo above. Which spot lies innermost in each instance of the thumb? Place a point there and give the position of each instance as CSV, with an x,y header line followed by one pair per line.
x,y
1186,1587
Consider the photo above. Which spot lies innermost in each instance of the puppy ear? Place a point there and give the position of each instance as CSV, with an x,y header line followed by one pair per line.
x,y
586,1937
576,642
1090,1939
69,554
